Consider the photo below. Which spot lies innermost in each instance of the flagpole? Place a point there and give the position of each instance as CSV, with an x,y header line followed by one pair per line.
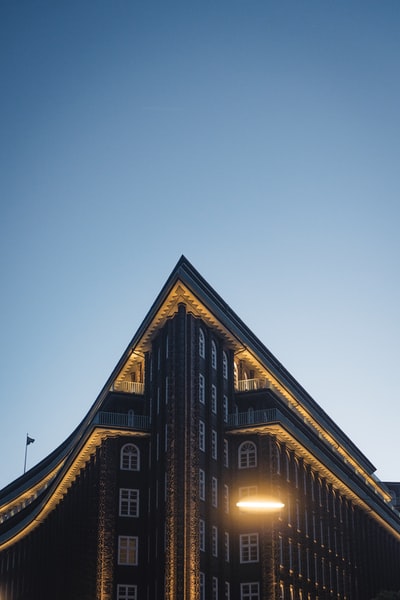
x,y
26,451
29,440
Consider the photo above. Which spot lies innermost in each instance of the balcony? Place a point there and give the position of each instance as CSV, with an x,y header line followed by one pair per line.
x,y
250,385
122,420
254,417
128,387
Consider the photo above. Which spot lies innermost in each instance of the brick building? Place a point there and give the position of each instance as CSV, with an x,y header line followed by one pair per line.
x,y
140,502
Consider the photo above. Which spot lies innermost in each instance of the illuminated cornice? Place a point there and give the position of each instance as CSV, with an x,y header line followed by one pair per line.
x,y
284,436
66,477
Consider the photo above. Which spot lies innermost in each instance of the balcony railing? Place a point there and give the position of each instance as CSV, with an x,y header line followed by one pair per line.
x,y
128,387
124,420
253,417
249,385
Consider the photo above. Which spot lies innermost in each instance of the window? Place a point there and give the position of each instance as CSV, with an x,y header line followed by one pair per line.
x,y
214,491
202,484
247,455
226,548
202,395
225,408
226,498
227,590
250,490
130,458
214,540
202,586
214,444
215,588
213,355
126,592
224,365
226,453
248,547
127,550
202,436
214,399
202,344
128,503
250,591
202,535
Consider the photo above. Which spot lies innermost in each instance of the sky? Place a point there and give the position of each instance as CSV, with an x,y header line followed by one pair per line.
x,y
260,139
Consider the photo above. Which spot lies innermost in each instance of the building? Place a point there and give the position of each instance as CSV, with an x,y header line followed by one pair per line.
x,y
140,502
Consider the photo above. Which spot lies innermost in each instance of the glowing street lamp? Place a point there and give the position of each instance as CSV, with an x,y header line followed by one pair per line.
x,y
256,504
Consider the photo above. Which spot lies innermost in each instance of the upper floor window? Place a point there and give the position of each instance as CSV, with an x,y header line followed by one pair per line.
x,y
130,458
224,365
127,550
248,547
214,444
214,399
202,484
214,540
225,408
202,344
247,455
213,355
128,503
202,585
126,592
202,392
202,535
202,436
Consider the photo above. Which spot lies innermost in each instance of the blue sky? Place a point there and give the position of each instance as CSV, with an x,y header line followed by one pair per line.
x,y
259,138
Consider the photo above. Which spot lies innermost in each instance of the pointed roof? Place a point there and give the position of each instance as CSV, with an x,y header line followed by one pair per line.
x,y
186,285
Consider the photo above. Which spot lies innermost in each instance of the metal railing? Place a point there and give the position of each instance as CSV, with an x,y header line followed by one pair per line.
x,y
253,417
249,385
125,420
128,387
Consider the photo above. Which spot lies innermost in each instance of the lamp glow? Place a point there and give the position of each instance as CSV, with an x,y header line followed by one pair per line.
x,y
259,505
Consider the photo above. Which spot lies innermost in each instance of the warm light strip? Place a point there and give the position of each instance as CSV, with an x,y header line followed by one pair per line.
x,y
260,505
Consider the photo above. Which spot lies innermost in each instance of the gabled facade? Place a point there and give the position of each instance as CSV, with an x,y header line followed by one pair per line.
x,y
140,501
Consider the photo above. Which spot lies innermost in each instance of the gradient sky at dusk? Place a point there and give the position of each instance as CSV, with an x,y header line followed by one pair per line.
x,y
260,139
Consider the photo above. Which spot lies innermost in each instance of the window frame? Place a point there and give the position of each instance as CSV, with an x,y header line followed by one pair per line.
x,y
129,461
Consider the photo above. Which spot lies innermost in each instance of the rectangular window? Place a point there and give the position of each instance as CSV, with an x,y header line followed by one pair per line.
x,y
202,535
126,592
202,484
226,544
214,399
250,490
202,393
248,547
214,540
226,498
214,444
226,453
127,550
202,436
215,588
227,590
202,586
128,503
214,491
250,591
225,408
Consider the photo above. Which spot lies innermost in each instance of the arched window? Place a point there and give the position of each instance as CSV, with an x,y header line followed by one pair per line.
x,y
202,344
213,355
130,458
224,365
247,455
235,375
